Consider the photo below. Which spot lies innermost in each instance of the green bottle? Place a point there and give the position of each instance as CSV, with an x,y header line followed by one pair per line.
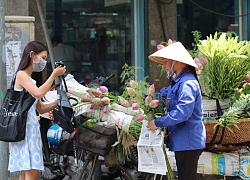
x,y
90,123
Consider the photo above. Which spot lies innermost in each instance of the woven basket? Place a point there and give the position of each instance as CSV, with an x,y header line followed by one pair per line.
x,y
237,136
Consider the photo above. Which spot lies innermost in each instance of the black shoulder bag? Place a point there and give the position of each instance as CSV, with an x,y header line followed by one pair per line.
x,y
14,111
63,113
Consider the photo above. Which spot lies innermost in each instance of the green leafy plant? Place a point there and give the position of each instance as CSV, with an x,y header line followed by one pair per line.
x,y
227,63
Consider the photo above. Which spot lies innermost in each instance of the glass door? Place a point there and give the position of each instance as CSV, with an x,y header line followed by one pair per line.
x,y
98,30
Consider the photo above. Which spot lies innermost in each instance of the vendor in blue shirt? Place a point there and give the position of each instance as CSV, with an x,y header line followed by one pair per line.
x,y
187,134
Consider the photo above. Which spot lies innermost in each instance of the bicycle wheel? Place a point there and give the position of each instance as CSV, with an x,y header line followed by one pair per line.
x,y
87,166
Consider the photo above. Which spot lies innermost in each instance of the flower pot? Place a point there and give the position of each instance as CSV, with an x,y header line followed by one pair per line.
x,y
210,108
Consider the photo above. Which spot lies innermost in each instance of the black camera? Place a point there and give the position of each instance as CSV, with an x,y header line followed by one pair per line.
x,y
60,63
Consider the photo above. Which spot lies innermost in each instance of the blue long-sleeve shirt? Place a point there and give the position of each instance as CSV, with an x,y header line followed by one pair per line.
x,y
184,113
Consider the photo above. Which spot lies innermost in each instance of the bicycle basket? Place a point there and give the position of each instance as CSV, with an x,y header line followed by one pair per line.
x,y
97,139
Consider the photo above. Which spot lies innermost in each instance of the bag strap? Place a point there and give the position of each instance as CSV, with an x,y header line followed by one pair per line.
x,y
64,82
66,89
13,83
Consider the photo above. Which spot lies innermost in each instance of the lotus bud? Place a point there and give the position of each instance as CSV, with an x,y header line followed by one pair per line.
x,y
148,99
125,104
135,106
96,101
154,103
199,65
105,100
96,93
86,98
133,84
89,90
103,89
204,61
131,91
170,41
196,60
93,106
200,54
139,117
151,89
159,46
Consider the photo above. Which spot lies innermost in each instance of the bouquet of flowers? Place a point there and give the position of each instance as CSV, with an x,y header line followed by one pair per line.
x,y
140,96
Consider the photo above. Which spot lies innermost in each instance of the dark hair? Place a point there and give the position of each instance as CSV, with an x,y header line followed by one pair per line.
x,y
56,39
37,47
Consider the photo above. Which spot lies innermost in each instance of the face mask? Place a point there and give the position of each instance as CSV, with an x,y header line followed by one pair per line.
x,y
39,66
171,71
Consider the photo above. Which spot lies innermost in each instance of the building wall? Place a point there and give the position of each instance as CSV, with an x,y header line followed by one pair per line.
x,y
16,8
27,8
156,34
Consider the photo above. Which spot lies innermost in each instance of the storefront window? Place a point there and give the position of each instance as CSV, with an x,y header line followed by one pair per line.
x,y
206,17
98,30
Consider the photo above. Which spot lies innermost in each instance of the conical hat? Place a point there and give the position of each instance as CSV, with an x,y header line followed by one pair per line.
x,y
175,51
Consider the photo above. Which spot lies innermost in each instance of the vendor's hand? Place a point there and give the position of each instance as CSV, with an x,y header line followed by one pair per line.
x,y
51,115
59,71
151,125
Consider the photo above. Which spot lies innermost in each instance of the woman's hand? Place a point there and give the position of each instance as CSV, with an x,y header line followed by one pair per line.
x,y
59,71
151,125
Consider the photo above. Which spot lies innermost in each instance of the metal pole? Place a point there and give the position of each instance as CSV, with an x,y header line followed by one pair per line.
x,y
4,147
47,36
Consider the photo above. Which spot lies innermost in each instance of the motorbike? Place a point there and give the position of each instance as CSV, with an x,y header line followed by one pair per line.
x,y
62,157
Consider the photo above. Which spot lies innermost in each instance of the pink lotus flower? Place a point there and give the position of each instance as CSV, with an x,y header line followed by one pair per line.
x,y
103,89
148,99
139,117
132,83
154,103
125,104
159,46
170,41
96,93
196,60
95,102
106,109
135,106
131,91
199,65
105,100
89,90
151,89
86,98
200,54
203,61
93,106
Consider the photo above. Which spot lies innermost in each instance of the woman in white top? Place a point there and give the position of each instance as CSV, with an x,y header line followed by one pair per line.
x,y
26,155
